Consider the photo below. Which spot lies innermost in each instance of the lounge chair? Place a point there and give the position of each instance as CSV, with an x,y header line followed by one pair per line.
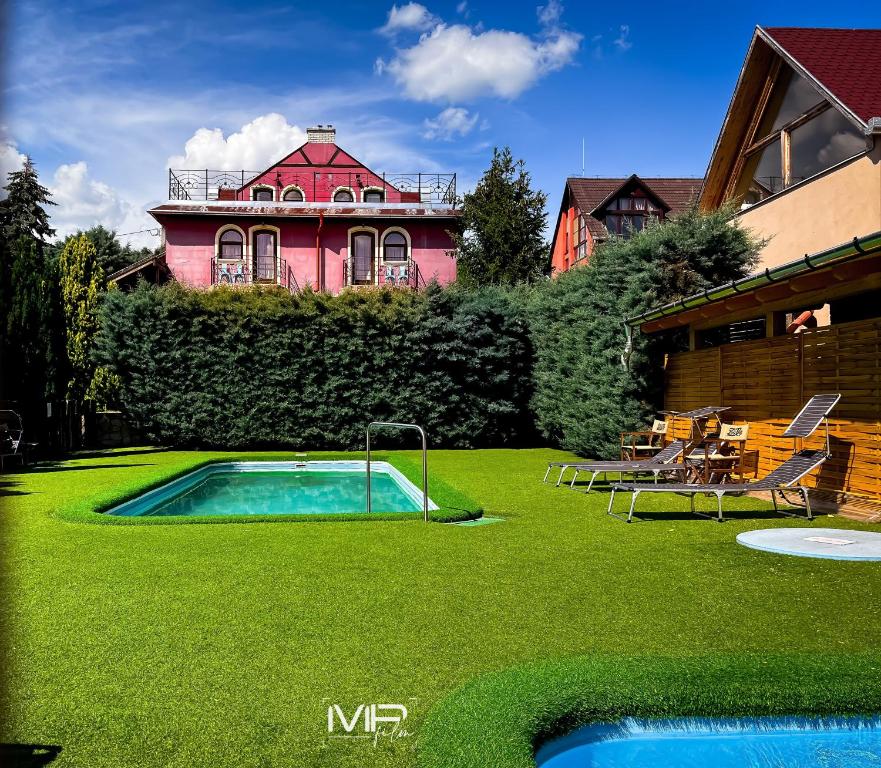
x,y
785,477
660,463
665,457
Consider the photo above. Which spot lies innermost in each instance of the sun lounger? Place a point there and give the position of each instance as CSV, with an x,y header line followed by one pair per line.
x,y
11,432
800,464
660,463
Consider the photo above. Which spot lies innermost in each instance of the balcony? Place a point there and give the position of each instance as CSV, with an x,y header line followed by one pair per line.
x,y
426,189
398,275
238,273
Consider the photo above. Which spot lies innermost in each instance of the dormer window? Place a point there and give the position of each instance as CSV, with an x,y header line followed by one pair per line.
x,y
263,194
343,196
630,214
293,195
374,196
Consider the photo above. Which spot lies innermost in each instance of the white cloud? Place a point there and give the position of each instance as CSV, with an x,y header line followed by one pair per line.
x,y
257,144
462,8
622,42
457,63
412,17
10,160
448,124
83,202
549,15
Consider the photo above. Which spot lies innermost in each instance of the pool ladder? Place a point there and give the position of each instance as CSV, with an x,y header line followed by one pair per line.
x,y
421,431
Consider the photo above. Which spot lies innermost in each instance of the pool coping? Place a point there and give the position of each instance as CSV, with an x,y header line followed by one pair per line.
x,y
453,504
184,483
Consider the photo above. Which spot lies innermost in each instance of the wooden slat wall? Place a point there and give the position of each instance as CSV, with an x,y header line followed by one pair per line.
x,y
765,382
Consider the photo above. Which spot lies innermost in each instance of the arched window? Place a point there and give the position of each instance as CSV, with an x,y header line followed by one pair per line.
x,y
374,196
264,256
264,194
232,245
394,247
343,196
293,195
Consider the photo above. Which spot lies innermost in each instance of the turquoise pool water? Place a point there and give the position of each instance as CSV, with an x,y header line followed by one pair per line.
x,y
719,743
278,488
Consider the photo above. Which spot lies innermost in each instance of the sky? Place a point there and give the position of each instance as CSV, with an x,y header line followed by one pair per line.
x,y
106,96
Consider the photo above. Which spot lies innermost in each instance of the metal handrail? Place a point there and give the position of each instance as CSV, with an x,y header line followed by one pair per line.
x,y
424,461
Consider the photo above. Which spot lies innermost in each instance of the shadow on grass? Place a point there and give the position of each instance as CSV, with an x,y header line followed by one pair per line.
x,y
112,453
650,516
61,467
28,755
7,489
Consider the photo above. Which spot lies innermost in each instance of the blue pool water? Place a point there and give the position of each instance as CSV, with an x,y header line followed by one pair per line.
x,y
278,488
719,743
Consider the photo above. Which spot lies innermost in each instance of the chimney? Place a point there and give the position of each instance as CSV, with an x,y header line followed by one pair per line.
x,y
321,134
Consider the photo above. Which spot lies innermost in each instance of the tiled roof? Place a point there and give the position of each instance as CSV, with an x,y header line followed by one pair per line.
x,y
846,62
676,193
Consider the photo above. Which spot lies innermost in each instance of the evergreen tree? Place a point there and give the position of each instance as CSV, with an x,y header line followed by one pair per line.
x,y
584,396
23,211
82,281
501,242
28,294
111,254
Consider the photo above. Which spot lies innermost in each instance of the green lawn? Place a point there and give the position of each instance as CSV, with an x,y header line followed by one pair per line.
x,y
220,645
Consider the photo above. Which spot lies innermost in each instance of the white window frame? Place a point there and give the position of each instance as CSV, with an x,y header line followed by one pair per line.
x,y
255,187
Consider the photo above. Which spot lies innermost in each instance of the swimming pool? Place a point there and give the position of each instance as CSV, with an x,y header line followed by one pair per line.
x,y
721,743
248,488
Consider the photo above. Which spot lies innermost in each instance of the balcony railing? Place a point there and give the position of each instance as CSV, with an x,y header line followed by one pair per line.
x,y
237,272
400,275
315,186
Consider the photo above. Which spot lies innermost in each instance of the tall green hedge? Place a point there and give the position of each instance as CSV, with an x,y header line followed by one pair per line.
x,y
243,368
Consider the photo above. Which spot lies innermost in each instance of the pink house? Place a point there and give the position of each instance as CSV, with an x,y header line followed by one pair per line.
x,y
318,217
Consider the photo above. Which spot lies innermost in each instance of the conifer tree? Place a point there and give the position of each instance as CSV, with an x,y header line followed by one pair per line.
x,y
82,280
503,221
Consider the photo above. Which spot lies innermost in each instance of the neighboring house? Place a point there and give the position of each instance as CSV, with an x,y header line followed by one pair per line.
x,y
799,149
593,209
317,217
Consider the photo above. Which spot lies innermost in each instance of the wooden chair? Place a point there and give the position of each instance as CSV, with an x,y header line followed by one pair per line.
x,y
723,456
652,442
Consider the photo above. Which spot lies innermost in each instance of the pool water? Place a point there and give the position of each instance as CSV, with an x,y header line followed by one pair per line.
x,y
279,488
720,743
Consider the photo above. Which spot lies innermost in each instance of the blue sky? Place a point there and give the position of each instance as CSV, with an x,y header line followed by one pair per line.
x,y
104,95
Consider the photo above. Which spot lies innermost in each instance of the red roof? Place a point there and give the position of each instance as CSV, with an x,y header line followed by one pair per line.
x,y
846,62
675,193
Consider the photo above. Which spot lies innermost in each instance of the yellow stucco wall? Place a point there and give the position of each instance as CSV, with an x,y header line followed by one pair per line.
x,y
821,213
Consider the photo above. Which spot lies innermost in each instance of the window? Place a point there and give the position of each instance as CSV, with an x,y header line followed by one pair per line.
x,y
293,196
343,196
394,247
745,330
264,256
362,258
800,135
231,245
263,194
630,214
374,196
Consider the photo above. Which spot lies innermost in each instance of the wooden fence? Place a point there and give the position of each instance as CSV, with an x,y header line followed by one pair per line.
x,y
765,382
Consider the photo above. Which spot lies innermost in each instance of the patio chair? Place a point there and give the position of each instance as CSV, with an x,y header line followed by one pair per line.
x,y
801,463
403,275
389,274
652,442
11,432
722,457
661,463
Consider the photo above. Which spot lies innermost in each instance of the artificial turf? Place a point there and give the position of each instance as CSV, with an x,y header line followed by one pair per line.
x,y
222,645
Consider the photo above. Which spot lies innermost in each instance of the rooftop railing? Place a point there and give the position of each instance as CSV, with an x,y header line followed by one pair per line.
x,y
312,186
